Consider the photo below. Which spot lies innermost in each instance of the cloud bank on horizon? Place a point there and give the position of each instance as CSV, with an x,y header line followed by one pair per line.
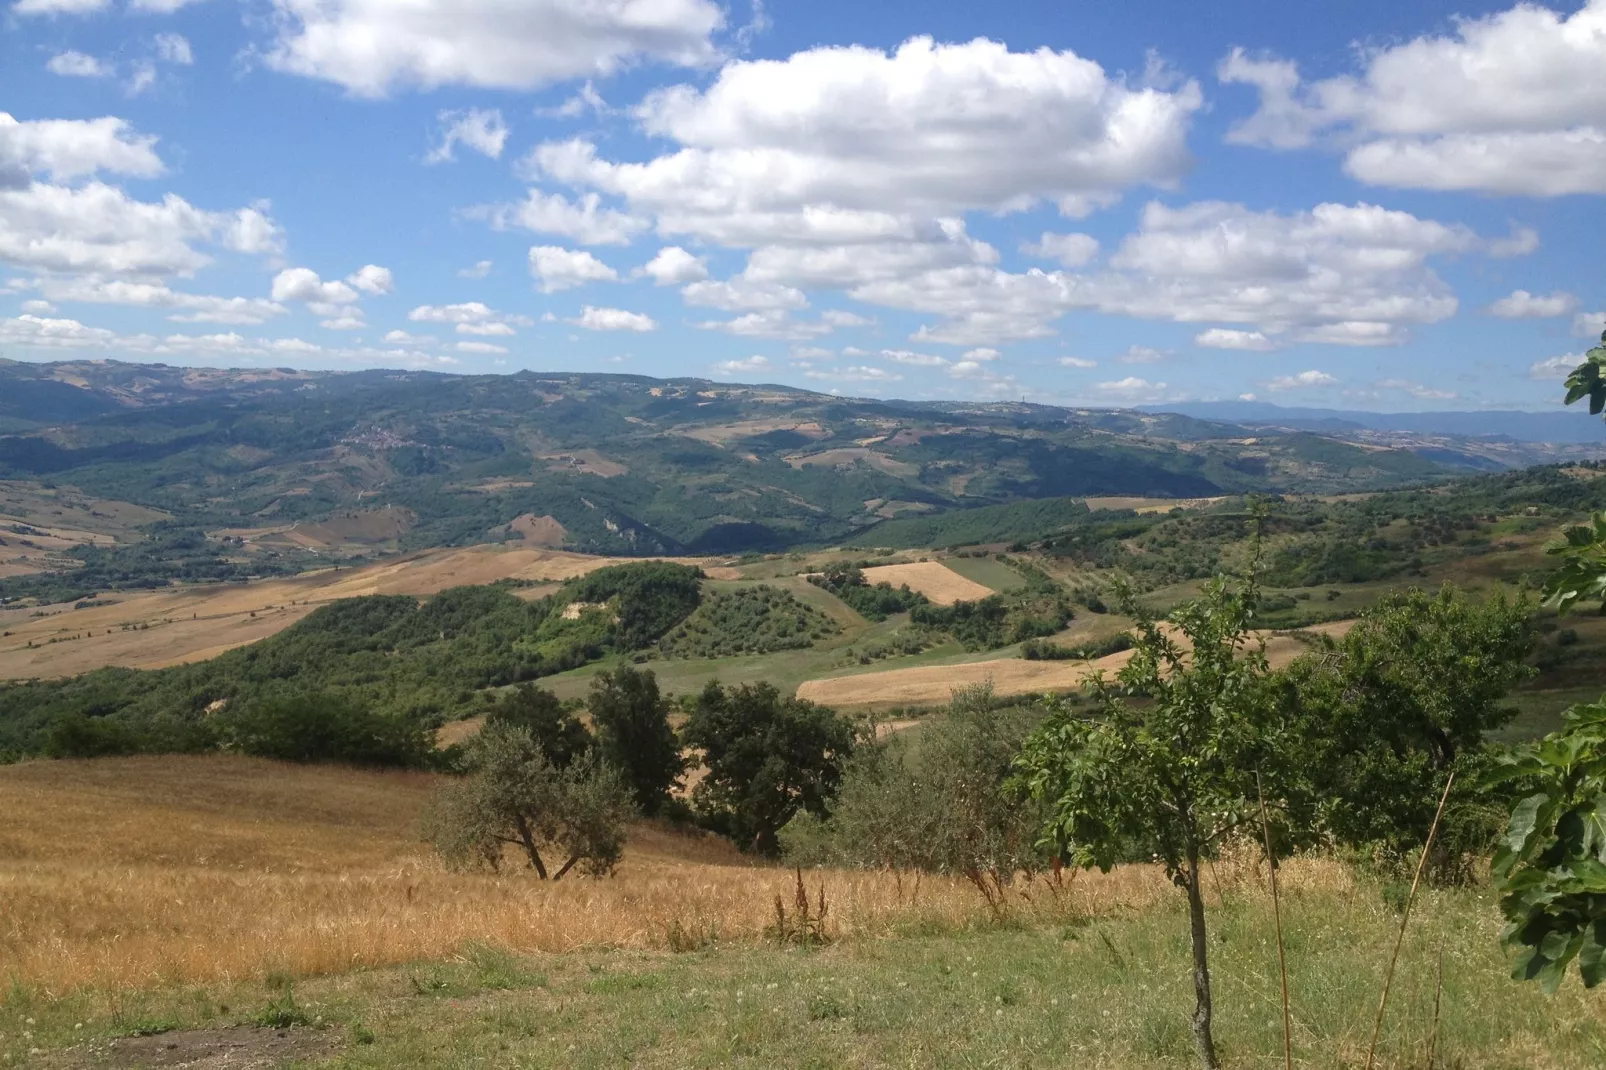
x,y
941,201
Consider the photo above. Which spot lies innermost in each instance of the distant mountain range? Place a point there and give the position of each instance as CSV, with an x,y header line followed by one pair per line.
x,y
1571,427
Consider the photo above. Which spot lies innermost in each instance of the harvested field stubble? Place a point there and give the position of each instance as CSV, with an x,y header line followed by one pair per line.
x,y
931,685
128,873
933,579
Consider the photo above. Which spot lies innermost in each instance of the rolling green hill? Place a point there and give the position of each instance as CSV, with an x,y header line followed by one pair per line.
x,y
266,471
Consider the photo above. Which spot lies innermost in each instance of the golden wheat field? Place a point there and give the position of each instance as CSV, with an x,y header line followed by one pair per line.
x,y
130,873
933,579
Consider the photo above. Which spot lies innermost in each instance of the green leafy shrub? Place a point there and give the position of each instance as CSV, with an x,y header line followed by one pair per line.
x,y
320,727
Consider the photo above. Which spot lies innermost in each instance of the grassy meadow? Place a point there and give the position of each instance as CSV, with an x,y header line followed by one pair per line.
x,y
175,905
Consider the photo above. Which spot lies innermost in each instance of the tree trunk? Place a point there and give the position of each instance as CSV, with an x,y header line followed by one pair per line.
x,y
528,839
1203,1008
566,867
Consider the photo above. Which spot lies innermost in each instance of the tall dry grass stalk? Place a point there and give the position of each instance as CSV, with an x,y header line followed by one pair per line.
x,y
1405,919
142,871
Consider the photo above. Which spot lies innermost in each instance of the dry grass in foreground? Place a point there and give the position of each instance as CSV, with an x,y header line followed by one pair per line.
x,y
142,871
186,896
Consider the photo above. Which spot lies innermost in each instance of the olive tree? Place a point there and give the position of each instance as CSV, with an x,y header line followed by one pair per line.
x,y
938,804
1165,764
513,795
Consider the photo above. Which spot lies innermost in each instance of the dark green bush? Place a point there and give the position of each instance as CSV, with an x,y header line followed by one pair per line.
x,y
323,727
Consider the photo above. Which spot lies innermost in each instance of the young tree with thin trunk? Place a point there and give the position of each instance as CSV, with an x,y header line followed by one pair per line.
x,y
1164,766
514,796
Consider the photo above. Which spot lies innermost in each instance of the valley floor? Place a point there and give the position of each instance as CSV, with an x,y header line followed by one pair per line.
x,y
221,912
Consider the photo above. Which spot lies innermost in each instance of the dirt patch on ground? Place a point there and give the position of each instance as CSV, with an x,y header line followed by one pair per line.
x,y
540,530
931,685
237,1048
933,579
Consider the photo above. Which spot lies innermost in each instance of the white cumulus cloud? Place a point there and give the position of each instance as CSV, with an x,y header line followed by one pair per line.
x,y
481,129
1302,380
583,219
1132,390
1510,103
182,307
98,229
1226,338
746,364
613,319
770,323
1556,367
304,284
564,269
853,144
372,279
674,266
67,149
71,64
175,49
1072,250
741,295
371,47
1521,305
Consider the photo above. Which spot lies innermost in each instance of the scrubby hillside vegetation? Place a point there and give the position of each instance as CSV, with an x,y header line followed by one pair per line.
x,y
261,473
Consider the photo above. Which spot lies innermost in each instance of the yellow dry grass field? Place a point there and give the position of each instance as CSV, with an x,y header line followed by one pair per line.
x,y
144,871
930,685
177,625
933,579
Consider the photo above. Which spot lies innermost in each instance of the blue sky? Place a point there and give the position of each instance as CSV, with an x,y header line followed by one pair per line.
x,y
1375,205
